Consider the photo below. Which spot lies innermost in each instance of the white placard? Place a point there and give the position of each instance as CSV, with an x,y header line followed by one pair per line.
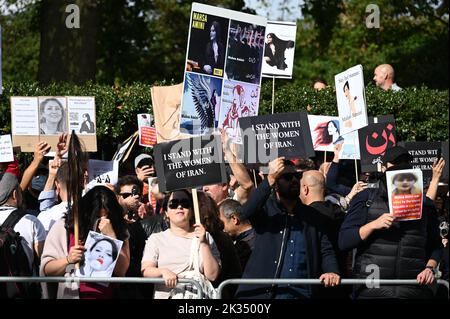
x,y
279,49
102,172
351,99
6,149
24,116
100,256
81,114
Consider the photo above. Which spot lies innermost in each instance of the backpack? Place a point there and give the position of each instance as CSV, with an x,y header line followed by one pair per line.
x,y
14,261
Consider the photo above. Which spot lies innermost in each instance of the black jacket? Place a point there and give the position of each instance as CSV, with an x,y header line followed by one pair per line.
x,y
270,223
400,252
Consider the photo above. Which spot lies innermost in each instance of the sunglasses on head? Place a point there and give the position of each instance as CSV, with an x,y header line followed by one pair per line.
x,y
184,203
289,176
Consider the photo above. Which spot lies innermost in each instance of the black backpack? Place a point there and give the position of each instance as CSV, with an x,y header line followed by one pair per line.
x,y
14,261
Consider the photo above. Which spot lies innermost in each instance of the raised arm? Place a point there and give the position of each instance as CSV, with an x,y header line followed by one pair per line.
x,y
40,150
238,169
438,167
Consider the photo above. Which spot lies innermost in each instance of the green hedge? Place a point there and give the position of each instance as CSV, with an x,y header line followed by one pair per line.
x,y
421,114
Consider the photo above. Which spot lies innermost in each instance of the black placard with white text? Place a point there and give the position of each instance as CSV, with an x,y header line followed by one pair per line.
x,y
267,137
189,163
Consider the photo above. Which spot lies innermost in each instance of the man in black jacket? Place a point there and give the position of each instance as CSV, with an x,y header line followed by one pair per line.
x,y
397,249
286,245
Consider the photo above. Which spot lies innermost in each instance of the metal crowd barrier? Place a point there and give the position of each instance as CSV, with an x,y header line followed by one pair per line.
x,y
140,280
131,280
371,282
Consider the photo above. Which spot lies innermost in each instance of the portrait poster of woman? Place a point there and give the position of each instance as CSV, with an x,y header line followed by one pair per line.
x,y
279,49
325,132
100,256
52,115
351,99
207,44
405,193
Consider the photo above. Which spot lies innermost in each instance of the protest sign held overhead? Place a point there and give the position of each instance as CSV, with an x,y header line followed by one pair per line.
x,y
351,99
166,103
239,101
44,118
225,52
325,132
279,49
405,193
102,172
374,140
6,149
147,133
267,137
423,154
189,163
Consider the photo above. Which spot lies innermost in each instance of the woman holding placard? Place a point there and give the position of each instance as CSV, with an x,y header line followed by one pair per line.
x,y
168,254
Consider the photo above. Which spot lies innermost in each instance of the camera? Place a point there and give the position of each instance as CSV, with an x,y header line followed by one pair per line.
x,y
443,229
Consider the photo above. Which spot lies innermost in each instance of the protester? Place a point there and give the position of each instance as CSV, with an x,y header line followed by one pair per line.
x,y
99,211
167,254
240,229
399,250
282,225
230,265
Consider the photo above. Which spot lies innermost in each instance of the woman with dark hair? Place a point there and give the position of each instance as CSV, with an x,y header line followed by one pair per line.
x,y
214,53
100,258
168,254
52,117
328,133
87,126
274,51
98,210
231,265
351,103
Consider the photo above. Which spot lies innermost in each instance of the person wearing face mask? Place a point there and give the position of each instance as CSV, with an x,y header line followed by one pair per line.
x,y
288,243
399,249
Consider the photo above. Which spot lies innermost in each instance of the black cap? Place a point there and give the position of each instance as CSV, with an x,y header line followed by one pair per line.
x,y
396,155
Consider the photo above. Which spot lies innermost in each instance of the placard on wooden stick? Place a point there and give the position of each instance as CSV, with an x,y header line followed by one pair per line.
x,y
189,163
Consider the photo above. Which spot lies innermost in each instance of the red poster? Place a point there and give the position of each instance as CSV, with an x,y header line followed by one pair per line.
x,y
405,191
147,136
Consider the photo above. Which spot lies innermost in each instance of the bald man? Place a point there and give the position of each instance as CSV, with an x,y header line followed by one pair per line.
x,y
384,77
329,217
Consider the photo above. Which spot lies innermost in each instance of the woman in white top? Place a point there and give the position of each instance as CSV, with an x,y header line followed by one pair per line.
x,y
167,254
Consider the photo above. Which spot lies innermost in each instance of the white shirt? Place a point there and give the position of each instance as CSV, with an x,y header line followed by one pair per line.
x,y
395,87
52,215
29,227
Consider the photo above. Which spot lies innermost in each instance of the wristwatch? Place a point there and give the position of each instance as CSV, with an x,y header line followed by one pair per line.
x,y
433,270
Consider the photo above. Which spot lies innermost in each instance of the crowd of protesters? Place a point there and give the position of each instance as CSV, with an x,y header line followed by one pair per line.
x,y
302,219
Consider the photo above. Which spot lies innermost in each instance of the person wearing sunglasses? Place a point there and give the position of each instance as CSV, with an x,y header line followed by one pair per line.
x,y
167,254
287,244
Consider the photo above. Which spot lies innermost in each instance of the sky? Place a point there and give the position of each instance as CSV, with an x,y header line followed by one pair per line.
x,y
273,12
